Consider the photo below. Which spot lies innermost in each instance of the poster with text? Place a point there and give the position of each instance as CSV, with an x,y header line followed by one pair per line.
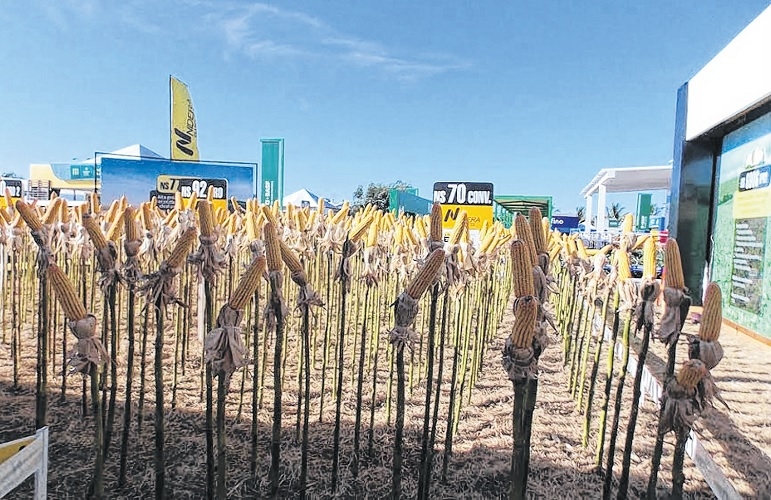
x,y
139,179
740,260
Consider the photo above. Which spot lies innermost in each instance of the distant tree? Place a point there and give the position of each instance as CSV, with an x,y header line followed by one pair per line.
x,y
581,213
656,210
10,175
376,195
616,211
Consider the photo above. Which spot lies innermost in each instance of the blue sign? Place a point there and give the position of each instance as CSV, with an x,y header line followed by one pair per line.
x,y
565,223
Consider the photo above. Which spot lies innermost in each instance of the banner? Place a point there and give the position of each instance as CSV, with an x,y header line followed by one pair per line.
x,y
643,216
476,198
11,191
184,133
272,178
143,178
740,260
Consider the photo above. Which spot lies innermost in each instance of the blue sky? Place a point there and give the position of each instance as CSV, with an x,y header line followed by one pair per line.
x,y
534,96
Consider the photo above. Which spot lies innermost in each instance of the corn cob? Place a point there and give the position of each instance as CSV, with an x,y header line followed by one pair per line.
x,y
361,229
342,214
5,215
8,199
712,314
420,227
94,205
398,235
172,215
536,228
73,308
581,249
483,230
489,242
546,228
272,247
435,229
232,224
521,269
116,228
179,203
210,194
269,216
94,232
320,208
461,225
49,216
409,235
252,230
628,225
111,211
29,215
154,202
622,264
248,284
290,258
649,260
192,202
426,275
371,236
182,248
524,234
691,373
64,212
147,217
237,206
523,330
302,221
673,265
205,218
640,241
130,224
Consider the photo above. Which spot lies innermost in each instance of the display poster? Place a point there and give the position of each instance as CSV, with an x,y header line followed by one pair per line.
x,y
184,131
11,191
476,198
643,216
272,173
141,179
741,236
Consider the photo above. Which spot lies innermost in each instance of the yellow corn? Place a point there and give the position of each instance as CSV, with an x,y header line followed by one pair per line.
x,y
435,233
426,275
172,215
398,235
581,249
371,236
272,247
546,228
52,211
320,208
252,230
65,292
536,228
487,245
192,202
420,227
691,373
29,215
461,224
116,228
523,330
673,266
641,241
622,263
712,314
290,258
360,230
269,216
342,214
8,199
179,203
94,232
521,269
628,225
524,234
64,212
205,218
147,217
130,224
94,203
210,194
111,210
649,259
182,248
248,284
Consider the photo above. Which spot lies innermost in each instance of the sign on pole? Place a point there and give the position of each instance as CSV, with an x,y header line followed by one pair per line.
x,y
13,188
272,168
476,198
643,219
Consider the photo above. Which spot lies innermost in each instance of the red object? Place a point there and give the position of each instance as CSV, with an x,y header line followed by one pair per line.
x,y
663,236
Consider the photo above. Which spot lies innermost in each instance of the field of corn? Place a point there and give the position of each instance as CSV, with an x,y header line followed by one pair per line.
x,y
262,353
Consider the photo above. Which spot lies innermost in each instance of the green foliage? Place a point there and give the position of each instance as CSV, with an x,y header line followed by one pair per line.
x,y
376,195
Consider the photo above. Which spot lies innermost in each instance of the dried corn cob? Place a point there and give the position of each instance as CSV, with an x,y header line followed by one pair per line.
x,y
712,315
649,259
526,236
409,235
116,228
192,202
29,215
94,205
489,242
130,224
622,264
360,230
581,249
536,228
426,275
371,236
435,232
205,218
179,203
94,232
691,373
8,199
210,194
269,216
272,247
64,212
673,265
147,217
320,208
248,284
182,248
52,212
546,228
172,215
420,227
290,258
72,306
523,330
640,241
461,225
628,225
521,269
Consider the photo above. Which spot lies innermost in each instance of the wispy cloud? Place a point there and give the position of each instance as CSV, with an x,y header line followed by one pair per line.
x,y
259,30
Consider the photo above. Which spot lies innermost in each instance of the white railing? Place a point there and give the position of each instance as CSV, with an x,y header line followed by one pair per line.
x,y
22,458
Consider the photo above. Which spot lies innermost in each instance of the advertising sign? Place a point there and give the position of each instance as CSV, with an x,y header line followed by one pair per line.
x,y
184,131
476,198
141,178
272,177
739,256
643,216
564,223
14,190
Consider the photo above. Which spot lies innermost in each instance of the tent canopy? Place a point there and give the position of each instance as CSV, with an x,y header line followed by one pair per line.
x,y
622,180
298,198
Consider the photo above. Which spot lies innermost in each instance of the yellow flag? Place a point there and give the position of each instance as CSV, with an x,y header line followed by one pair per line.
x,y
184,133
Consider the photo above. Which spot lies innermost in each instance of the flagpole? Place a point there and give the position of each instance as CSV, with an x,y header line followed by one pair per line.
x,y
171,110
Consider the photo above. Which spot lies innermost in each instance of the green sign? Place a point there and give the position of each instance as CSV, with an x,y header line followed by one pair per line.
x,y
643,216
82,172
272,168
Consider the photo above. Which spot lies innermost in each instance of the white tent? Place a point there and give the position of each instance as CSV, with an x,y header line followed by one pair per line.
x,y
133,151
300,198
